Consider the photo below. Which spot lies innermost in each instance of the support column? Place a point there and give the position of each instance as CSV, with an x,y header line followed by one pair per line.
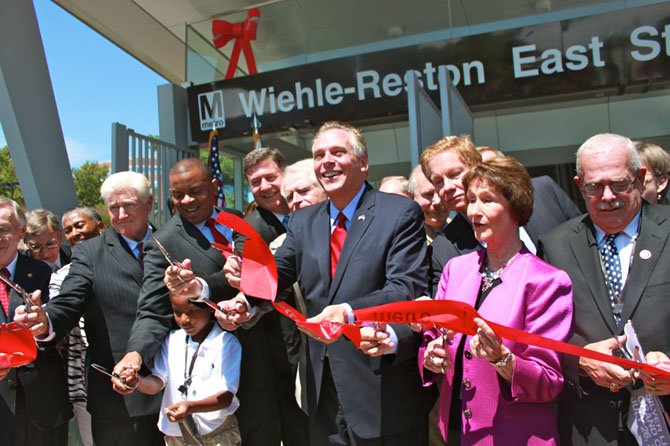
x,y
28,112
173,115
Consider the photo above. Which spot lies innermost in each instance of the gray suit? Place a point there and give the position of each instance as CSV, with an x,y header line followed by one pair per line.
x,y
589,414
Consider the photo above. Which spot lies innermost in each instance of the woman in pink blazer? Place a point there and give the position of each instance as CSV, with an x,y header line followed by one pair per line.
x,y
494,391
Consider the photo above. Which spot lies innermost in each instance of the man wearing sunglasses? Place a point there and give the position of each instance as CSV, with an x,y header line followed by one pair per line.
x,y
618,258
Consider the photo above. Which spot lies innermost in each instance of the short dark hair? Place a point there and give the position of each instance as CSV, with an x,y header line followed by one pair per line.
x,y
90,212
510,177
183,166
261,154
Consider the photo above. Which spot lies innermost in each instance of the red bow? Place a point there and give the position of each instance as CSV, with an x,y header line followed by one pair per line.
x,y
243,33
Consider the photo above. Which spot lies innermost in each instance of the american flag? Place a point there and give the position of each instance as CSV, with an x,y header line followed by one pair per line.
x,y
215,166
256,136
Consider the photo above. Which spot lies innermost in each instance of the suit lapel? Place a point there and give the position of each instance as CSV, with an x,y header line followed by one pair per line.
x,y
587,257
23,275
651,240
120,251
360,223
321,227
194,237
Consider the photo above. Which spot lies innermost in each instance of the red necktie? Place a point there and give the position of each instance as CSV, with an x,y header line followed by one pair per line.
x,y
336,242
218,237
4,292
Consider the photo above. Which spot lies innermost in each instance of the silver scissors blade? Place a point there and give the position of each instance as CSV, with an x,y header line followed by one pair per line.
x,y
165,253
27,299
105,371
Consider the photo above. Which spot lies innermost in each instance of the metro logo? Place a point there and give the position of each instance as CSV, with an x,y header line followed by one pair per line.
x,y
210,109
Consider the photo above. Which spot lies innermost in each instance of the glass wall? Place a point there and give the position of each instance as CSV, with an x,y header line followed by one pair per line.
x,y
296,32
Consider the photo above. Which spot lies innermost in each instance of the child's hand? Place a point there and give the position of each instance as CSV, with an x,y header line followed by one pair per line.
x,y
178,411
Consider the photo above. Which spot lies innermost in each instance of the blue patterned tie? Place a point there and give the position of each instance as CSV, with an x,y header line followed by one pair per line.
x,y
610,256
285,221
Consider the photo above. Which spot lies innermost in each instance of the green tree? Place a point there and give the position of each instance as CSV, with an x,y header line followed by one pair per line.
x,y
9,183
87,181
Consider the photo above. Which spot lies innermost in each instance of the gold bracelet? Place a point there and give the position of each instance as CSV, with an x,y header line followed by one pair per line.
x,y
502,362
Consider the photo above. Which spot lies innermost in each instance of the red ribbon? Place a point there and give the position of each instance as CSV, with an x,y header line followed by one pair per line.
x,y
17,345
243,33
259,271
327,330
459,317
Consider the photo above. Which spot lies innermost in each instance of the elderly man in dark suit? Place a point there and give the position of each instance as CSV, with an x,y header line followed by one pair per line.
x,y
34,408
376,256
103,285
43,239
618,258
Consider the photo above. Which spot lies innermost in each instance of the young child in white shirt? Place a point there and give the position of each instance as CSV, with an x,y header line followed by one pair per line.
x,y
199,368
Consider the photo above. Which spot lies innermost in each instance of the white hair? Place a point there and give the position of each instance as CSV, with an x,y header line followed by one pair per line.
x,y
604,142
125,180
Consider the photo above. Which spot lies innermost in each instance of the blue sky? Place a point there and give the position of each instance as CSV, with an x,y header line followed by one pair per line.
x,y
95,84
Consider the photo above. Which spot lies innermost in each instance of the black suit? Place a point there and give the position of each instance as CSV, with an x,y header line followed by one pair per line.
x,y
457,239
588,413
551,207
103,285
154,312
42,383
275,342
383,260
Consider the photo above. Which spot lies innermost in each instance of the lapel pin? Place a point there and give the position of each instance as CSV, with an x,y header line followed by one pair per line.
x,y
361,217
645,254
29,275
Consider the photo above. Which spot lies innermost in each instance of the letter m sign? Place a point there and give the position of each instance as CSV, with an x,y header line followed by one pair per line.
x,y
210,108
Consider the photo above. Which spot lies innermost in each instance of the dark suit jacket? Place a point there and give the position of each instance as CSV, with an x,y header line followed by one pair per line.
x,y
383,260
44,380
551,207
457,239
103,284
592,417
154,312
266,223
274,341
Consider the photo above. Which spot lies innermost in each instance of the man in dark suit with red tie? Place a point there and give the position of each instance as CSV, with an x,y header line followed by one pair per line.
x,y
34,408
376,255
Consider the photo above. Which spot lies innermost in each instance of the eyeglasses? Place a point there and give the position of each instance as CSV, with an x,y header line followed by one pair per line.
x,y
36,247
618,186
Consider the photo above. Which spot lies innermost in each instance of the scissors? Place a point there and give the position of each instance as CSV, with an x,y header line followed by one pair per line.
x,y
173,262
27,298
165,253
636,357
105,371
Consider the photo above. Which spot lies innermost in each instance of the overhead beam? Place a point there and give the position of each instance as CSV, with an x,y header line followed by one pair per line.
x,y
28,112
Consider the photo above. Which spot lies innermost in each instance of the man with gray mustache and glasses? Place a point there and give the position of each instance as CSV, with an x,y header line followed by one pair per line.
x,y
618,258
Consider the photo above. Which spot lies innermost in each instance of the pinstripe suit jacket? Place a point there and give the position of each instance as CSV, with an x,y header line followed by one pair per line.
x,y
103,284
